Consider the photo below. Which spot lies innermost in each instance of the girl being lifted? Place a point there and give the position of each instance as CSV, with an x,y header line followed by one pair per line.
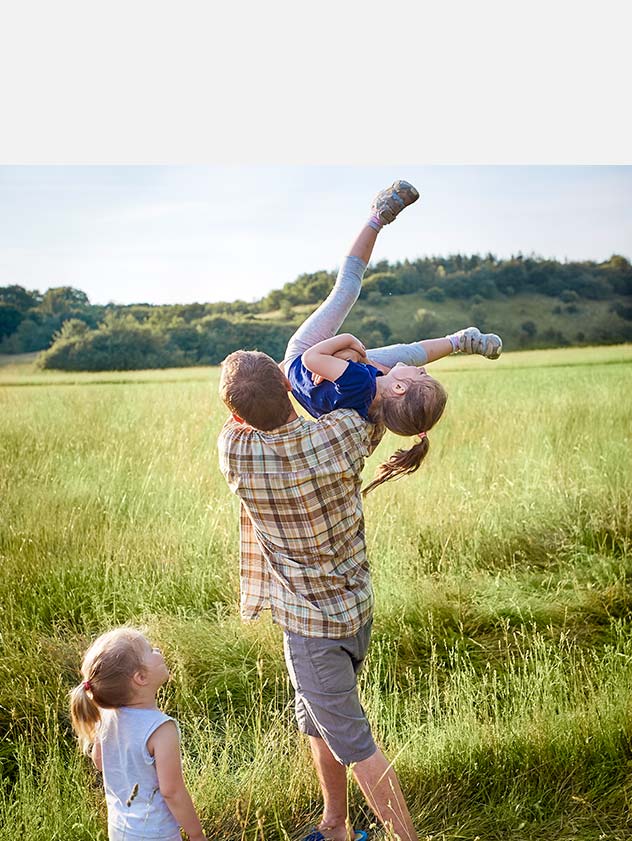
x,y
386,385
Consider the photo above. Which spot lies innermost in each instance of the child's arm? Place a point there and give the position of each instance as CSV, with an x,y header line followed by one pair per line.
x,y
165,746
96,755
320,359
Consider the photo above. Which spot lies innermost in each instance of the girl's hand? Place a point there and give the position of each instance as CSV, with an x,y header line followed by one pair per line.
x,y
349,354
329,359
353,343
353,350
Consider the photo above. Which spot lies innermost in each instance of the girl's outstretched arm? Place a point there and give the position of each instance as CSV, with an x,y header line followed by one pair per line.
x,y
165,745
320,359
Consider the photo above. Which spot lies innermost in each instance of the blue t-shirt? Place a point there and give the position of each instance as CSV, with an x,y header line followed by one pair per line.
x,y
354,389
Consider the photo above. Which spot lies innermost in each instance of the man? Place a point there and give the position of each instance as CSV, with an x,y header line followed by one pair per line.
x,y
303,555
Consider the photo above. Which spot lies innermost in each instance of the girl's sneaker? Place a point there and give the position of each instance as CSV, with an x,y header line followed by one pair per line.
x,y
471,340
391,201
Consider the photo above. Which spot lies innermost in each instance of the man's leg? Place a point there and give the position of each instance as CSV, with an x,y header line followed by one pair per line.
x,y
332,777
323,673
332,774
380,786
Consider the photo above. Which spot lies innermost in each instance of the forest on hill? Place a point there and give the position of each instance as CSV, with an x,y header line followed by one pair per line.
x,y
531,301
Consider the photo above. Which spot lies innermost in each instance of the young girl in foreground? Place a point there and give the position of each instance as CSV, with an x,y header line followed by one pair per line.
x,y
134,744
385,385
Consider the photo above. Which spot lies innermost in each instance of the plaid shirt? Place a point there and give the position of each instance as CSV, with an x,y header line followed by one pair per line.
x,y
302,545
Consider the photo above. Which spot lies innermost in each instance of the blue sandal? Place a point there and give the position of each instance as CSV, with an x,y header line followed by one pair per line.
x,y
317,835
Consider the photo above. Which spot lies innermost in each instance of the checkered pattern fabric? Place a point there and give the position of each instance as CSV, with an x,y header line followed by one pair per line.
x,y
302,543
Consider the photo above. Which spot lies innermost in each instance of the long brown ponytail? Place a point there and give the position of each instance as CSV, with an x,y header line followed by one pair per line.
x,y
414,412
107,669
401,463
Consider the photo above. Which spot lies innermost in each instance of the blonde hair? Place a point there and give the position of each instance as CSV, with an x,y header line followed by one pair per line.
x,y
254,388
411,413
108,668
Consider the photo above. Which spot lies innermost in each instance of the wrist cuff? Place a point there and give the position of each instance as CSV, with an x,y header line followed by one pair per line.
x,y
454,341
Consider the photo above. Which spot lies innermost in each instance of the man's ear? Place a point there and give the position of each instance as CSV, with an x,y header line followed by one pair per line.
x,y
237,418
288,384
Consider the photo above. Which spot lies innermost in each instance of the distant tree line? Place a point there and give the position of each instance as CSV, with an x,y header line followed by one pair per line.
x,y
462,277
30,321
122,343
77,335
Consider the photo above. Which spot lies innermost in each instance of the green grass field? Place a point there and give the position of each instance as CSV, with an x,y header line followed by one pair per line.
x,y
500,672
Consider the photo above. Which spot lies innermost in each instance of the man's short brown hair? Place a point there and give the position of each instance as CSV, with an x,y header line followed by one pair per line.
x,y
254,388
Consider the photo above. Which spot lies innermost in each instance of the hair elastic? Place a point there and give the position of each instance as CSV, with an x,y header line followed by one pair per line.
x,y
87,685
422,435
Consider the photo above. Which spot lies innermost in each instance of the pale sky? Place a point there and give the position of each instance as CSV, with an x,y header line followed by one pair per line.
x,y
178,234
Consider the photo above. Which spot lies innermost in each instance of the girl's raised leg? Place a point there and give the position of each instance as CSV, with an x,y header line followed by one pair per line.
x,y
326,321
470,340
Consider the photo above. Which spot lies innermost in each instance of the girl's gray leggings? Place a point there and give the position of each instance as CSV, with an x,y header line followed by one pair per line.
x,y
326,321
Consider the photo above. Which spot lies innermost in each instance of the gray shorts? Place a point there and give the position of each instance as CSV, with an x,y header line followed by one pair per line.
x,y
323,673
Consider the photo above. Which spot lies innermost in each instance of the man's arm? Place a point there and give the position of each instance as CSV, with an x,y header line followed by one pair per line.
x,y
320,359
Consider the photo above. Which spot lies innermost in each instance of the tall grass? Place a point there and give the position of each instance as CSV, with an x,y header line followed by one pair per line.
x,y
500,670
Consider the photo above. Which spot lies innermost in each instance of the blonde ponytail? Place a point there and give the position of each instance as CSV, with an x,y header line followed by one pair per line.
x,y
85,717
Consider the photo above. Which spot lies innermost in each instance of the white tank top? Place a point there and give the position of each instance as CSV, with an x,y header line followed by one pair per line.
x,y
135,805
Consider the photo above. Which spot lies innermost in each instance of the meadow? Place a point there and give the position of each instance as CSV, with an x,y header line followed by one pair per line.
x,y
500,672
